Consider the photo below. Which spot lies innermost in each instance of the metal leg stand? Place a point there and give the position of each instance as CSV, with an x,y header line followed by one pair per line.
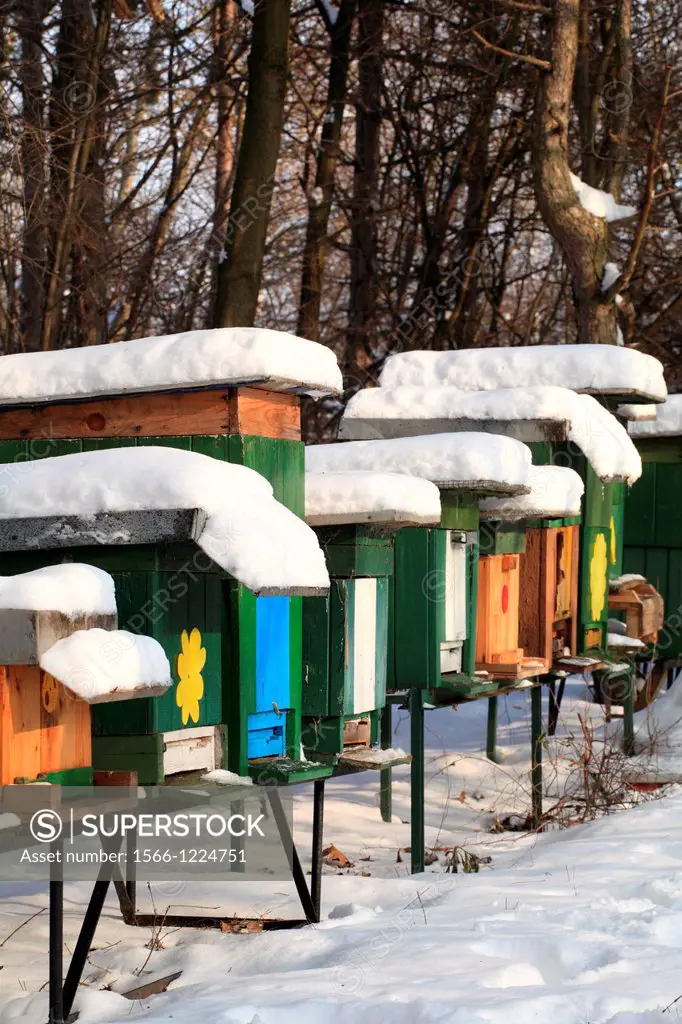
x,y
416,706
87,934
491,739
56,952
628,716
318,834
536,755
386,774
292,854
555,699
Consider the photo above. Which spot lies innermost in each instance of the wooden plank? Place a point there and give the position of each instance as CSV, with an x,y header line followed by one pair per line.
x,y
20,726
265,414
121,778
151,988
64,728
165,414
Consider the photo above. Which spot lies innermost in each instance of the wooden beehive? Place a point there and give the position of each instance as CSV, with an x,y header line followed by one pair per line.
x,y
433,603
249,647
548,603
345,642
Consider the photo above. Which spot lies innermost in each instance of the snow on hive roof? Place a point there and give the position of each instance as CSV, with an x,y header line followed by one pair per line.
x,y
555,492
72,589
600,204
101,665
249,534
668,422
196,359
364,497
640,413
593,369
474,462
529,414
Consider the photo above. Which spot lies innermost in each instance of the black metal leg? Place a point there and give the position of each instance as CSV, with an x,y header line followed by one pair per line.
x,y
491,732
87,933
555,699
56,952
417,822
292,855
536,755
318,833
386,774
131,872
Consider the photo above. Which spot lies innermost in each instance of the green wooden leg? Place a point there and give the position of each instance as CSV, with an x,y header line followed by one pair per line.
x,y
628,716
386,774
491,745
536,754
416,705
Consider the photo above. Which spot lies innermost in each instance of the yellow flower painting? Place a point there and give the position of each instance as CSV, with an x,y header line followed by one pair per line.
x,y
614,542
191,661
49,694
598,567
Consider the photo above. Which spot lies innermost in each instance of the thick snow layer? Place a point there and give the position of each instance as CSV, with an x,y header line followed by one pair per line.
x,y
99,664
249,534
668,422
360,497
556,492
468,461
658,728
595,369
394,412
565,923
194,359
637,413
72,589
600,204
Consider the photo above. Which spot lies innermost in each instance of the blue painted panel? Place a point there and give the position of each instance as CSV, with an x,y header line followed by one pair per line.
x,y
273,663
267,735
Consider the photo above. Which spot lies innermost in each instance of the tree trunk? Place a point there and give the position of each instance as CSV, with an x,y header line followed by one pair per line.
x,y
241,264
582,237
316,242
363,285
33,162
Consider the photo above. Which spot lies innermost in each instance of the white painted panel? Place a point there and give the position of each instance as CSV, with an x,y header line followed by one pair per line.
x,y
191,750
364,646
451,657
455,588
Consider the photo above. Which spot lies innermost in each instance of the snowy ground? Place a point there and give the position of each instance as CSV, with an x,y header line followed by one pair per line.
x,y
580,926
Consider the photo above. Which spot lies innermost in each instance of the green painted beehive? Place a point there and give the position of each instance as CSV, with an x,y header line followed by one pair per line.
x,y
234,396
358,518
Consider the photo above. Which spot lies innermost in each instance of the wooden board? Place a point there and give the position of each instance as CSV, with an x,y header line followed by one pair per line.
x,y
160,414
42,728
548,601
497,620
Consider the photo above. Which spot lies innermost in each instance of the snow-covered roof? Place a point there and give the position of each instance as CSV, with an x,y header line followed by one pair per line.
x,y
555,492
249,534
332,499
600,204
483,463
528,414
195,359
668,422
72,589
100,665
592,369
